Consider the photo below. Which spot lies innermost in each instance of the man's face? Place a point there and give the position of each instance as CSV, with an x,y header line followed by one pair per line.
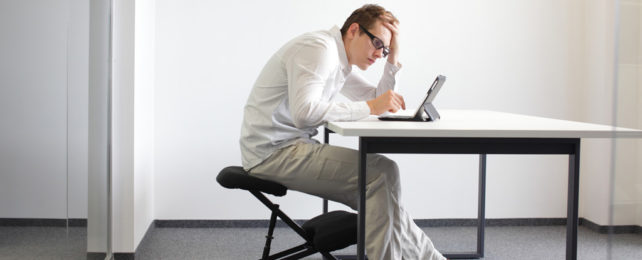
x,y
364,53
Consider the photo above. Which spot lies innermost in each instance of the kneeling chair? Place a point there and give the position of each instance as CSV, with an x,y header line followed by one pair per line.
x,y
324,233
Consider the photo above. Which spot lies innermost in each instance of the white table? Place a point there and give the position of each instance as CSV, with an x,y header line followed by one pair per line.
x,y
478,132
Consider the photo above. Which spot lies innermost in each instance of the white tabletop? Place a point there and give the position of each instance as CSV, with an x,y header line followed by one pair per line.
x,y
480,123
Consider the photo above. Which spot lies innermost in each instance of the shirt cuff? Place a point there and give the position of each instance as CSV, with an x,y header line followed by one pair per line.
x,y
359,110
392,68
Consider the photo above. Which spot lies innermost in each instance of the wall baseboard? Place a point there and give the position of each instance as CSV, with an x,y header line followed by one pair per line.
x,y
124,256
258,223
615,229
42,222
491,222
96,256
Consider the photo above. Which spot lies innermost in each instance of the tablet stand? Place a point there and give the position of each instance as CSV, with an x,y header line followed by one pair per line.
x,y
431,112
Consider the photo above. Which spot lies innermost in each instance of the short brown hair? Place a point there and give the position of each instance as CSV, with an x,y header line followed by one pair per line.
x,y
367,15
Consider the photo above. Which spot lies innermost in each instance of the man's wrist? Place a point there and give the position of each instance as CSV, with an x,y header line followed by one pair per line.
x,y
371,106
393,59
393,67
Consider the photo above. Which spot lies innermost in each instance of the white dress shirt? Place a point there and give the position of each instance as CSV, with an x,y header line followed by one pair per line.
x,y
295,92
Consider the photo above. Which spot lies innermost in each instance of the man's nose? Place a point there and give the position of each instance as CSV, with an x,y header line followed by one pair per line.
x,y
378,53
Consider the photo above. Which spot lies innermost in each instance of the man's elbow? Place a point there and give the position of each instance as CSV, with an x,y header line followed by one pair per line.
x,y
302,120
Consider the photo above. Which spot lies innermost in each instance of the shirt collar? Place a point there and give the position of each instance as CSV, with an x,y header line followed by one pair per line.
x,y
343,57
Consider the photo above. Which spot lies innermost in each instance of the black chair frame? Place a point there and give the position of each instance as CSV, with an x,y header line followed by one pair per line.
x,y
296,252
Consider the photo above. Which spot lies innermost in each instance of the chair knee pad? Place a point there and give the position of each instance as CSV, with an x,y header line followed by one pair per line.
x,y
333,230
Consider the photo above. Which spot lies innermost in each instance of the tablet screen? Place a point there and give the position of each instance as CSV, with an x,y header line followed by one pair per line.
x,y
430,95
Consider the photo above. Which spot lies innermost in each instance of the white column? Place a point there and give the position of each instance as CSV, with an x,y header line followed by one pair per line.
x,y
133,122
98,138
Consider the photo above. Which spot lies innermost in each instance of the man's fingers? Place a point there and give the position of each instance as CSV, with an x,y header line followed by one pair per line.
x,y
400,102
394,26
394,106
391,19
397,103
393,101
391,27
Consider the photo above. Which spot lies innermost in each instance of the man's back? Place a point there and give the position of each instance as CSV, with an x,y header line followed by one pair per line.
x,y
268,122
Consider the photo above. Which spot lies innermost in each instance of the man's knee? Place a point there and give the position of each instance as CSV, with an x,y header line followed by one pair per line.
x,y
389,169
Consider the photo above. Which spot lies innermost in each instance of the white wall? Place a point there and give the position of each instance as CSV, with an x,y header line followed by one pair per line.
x,y
78,60
515,56
43,106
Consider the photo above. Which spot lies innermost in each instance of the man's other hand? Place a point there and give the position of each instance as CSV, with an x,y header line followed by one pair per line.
x,y
393,57
387,102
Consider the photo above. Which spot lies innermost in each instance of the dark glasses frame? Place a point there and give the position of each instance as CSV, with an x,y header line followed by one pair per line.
x,y
376,42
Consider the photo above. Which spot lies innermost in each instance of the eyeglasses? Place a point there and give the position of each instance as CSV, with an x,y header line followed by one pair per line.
x,y
378,43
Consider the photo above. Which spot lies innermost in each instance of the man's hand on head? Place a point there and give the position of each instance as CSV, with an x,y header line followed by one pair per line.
x,y
389,101
394,43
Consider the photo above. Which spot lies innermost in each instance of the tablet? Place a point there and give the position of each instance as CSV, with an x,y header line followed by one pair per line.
x,y
425,106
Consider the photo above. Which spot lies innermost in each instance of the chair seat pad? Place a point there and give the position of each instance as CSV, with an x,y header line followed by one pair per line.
x,y
333,230
234,177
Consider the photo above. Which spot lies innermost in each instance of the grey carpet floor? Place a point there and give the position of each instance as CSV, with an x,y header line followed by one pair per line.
x,y
43,243
541,242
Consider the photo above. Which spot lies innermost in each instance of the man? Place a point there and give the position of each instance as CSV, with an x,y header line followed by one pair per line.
x,y
294,94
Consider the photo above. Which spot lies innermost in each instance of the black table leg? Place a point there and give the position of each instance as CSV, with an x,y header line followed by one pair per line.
x,y
572,204
481,206
326,140
481,215
361,222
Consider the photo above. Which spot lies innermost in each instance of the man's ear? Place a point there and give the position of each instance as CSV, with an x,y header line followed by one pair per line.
x,y
352,30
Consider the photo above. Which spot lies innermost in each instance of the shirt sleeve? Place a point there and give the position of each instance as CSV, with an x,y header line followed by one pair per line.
x,y
357,88
308,70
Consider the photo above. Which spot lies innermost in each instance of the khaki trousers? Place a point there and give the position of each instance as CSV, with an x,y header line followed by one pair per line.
x,y
330,172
